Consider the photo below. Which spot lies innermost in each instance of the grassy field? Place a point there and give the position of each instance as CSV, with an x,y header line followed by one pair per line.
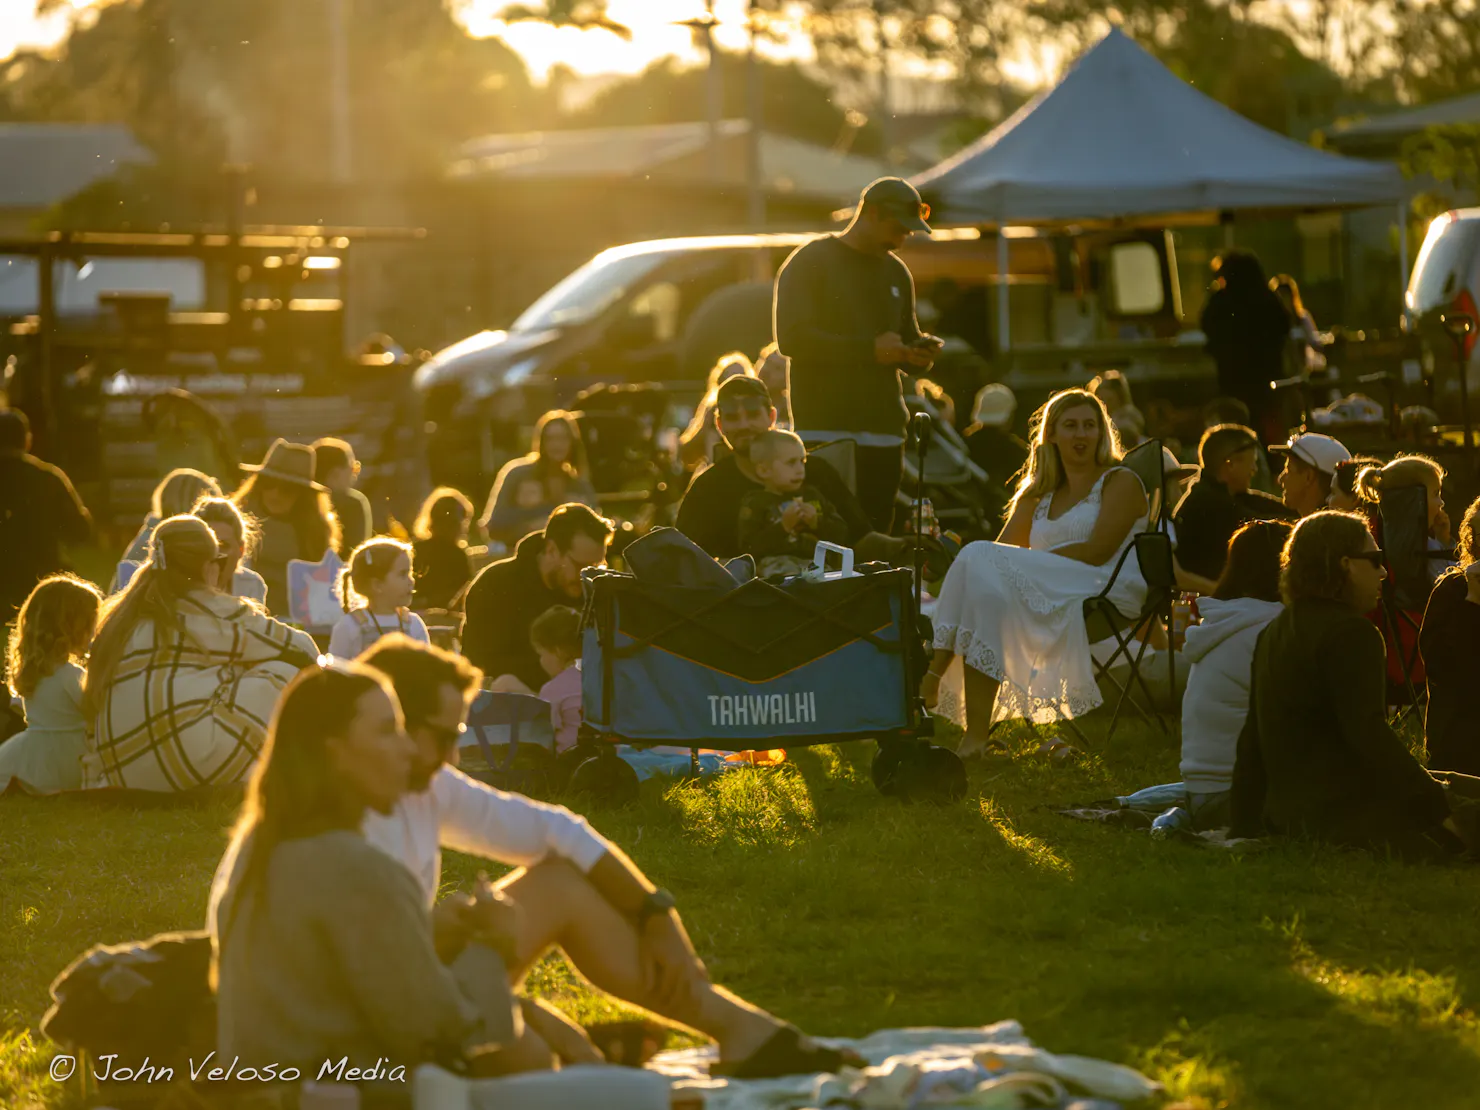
x,y
1295,978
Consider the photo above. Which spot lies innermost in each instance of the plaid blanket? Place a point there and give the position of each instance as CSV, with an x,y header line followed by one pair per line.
x,y
191,711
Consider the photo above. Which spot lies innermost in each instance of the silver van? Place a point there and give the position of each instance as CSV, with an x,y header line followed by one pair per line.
x,y
1442,304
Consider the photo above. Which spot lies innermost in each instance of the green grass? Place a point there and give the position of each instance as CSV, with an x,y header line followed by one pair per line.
x,y
1299,977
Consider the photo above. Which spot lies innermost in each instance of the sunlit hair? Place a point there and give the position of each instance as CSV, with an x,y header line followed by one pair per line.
x,y
1344,478
179,492
766,447
574,465
331,454
223,510
1254,556
295,790
367,567
557,629
312,515
1311,563
1403,472
729,366
1468,548
1044,471
179,551
445,514
55,626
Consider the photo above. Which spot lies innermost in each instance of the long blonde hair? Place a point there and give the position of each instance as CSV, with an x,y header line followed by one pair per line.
x,y
180,490
1044,471
54,626
179,550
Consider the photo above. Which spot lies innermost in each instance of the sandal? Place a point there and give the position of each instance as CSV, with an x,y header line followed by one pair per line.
x,y
789,1051
992,749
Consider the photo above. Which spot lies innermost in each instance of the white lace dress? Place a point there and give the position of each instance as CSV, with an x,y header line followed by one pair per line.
x,y
1016,614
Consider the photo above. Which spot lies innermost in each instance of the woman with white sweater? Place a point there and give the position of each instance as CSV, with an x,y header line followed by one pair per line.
x,y
1221,651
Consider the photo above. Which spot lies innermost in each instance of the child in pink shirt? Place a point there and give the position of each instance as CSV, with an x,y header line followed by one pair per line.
x,y
556,638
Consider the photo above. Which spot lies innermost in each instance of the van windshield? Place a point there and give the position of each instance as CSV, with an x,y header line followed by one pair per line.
x,y
1444,266
588,292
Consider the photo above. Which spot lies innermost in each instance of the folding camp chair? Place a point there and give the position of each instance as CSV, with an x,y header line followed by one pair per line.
x,y
1153,553
840,454
496,720
1404,515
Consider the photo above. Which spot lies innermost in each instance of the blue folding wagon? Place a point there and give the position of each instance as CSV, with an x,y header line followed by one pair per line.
x,y
765,663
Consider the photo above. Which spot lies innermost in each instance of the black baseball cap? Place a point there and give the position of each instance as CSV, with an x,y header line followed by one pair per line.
x,y
1223,441
734,391
898,199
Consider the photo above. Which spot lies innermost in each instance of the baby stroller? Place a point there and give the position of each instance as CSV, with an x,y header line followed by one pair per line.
x,y
966,500
701,655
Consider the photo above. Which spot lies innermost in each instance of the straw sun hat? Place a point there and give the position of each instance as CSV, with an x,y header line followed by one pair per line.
x,y
287,462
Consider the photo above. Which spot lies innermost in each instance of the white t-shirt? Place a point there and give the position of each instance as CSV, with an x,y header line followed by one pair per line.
x,y
463,814
354,633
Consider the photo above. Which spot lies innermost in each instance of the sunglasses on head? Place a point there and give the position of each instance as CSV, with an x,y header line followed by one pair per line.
x,y
1373,557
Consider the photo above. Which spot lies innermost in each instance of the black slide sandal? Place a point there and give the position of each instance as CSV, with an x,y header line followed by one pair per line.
x,y
788,1052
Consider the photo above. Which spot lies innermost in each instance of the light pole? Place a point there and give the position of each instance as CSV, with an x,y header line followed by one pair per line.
x,y
341,149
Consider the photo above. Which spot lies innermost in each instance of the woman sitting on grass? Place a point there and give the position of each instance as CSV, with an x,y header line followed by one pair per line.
x,y
529,489
1221,649
1317,756
1013,609
47,652
176,495
1450,641
182,678
323,945
294,514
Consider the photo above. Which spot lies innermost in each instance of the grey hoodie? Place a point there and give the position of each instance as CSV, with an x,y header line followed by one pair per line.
x,y
1221,651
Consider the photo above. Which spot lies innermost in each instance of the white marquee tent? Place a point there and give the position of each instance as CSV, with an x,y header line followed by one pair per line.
x,y
1122,137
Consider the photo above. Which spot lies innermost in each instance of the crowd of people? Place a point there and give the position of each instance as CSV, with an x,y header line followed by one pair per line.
x,y
188,673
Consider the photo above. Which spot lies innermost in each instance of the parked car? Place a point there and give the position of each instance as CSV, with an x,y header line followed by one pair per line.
x,y
1443,293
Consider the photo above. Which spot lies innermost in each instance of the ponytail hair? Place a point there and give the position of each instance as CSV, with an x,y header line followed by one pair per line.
x,y
179,551
368,564
1403,472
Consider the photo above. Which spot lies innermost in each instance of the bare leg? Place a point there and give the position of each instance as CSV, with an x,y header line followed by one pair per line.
x,y
930,684
981,695
561,907
565,1038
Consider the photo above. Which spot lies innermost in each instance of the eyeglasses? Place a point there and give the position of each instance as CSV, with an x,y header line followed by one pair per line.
x,y
1376,558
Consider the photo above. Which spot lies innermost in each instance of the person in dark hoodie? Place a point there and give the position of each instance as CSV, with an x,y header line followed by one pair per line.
x,y
1316,756
1221,499
1450,642
506,597
1247,328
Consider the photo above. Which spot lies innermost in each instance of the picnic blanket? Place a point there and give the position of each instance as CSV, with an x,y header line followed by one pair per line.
x,y
188,711
677,762
914,1069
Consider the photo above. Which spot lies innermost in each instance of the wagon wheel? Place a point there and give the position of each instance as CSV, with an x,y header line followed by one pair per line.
x,y
608,777
918,772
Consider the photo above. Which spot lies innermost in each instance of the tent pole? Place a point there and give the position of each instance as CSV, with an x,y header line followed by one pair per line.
x,y
1004,339
1403,255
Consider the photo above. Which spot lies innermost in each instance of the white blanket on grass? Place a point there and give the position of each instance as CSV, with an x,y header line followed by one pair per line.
x,y
916,1068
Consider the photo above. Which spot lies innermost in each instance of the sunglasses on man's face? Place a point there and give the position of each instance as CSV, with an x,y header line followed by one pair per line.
x,y
904,212
1373,557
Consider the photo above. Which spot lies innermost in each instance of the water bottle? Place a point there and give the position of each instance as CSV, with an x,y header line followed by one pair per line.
x,y
1170,822
1155,799
929,526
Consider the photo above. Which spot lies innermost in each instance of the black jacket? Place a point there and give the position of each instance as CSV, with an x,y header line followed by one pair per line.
x,y
500,605
831,303
710,511
39,512
1247,331
1316,755
1450,642
1207,517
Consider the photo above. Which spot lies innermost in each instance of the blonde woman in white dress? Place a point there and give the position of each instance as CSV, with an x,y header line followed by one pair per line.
x,y
1012,609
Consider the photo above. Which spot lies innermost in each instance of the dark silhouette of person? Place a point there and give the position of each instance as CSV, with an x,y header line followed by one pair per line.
x,y
1247,327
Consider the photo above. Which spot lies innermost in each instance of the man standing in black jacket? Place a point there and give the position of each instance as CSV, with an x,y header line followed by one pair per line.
x,y
506,597
845,315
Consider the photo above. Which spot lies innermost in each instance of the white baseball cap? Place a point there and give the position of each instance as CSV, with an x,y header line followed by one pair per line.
x,y
1314,449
